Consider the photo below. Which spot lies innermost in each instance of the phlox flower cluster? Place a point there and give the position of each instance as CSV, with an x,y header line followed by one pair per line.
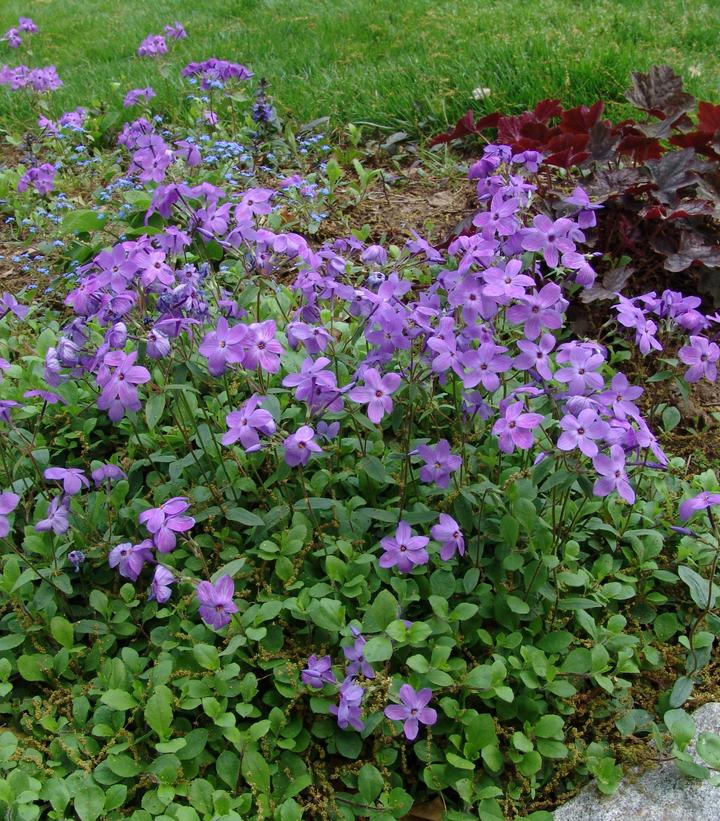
x,y
13,36
40,80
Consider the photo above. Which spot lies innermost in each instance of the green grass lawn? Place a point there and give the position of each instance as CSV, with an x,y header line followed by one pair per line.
x,y
398,63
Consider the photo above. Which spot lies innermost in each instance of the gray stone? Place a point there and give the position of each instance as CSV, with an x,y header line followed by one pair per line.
x,y
662,793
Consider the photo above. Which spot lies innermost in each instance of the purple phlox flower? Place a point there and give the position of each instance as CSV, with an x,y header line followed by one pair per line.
x,y
135,95
160,585
446,351
9,304
471,295
484,364
300,446
12,38
107,473
158,344
581,373
413,710
118,377
404,550
538,310
447,532
613,475
701,355
318,672
225,345
549,237
6,406
348,708
536,356
56,518
41,178
499,218
418,245
27,24
645,337
73,479
581,432
327,430
131,558
376,393
507,283
191,155
216,601
165,521
702,501
316,386
246,423
176,31
354,654
374,254
263,350
47,396
620,397
585,210
515,428
76,558
314,338
8,502
439,463
152,46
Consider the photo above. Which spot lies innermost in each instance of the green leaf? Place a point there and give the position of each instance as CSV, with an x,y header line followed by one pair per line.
x,y
681,726
62,631
158,711
370,783
378,648
118,700
549,726
82,222
708,748
328,614
228,768
699,587
460,763
245,517
89,802
381,612
154,409
206,656
255,771
123,765
681,691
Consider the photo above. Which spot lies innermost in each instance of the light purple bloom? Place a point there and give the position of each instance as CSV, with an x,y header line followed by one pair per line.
x,y
76,558
412,710
702,501
8,502
538,310
451,539
354,654
581,372
536,355
439,463
245,425
160,585
620,397
318,672
225,345
165,521
348,709
263,350
107,473
484,364
515,428
300,446
47,396
404,550
118,377
73,479
56,518
216,601
130,558
8,303
135,95
612,475
549,237
376,393
581,431
702,356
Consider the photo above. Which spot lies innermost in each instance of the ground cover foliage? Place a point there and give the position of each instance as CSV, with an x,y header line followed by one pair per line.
x,y
330,528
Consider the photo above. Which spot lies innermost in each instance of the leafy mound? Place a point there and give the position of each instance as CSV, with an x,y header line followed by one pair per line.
x,y
295,529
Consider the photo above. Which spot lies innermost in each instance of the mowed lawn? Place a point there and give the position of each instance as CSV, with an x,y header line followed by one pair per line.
x,y
397,63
